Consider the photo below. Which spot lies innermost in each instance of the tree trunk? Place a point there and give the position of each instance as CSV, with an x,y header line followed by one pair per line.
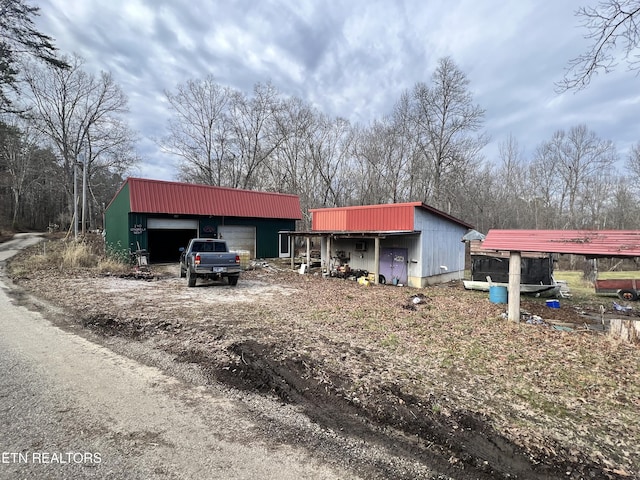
x,y
626,330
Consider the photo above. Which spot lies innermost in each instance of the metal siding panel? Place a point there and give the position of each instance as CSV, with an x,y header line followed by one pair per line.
x,y
116,218
384,217
441,244
330,219
380,218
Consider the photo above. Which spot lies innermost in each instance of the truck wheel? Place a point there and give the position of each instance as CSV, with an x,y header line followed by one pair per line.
x,y
233,279
629,295
182,272
191,278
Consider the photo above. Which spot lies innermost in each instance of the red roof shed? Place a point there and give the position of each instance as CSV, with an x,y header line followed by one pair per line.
x,y
371,218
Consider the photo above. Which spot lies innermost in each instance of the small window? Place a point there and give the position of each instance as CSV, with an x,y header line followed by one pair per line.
x,y
361,246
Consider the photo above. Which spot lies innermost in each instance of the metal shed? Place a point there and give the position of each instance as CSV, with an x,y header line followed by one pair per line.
x,y
402,243
160,217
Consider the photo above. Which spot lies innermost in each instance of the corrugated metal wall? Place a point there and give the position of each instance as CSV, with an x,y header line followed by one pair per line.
x,y
441,244
368,218
116,226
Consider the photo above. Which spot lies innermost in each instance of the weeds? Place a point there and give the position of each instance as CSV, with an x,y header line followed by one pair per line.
x,y
65,255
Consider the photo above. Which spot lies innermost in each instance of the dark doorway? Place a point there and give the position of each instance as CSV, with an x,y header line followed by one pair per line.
x,y
164,244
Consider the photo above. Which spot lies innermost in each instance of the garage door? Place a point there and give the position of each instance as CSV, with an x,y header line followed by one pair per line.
x,y
239,237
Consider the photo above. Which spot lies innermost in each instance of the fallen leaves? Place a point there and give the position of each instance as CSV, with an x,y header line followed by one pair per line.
x,y
540,387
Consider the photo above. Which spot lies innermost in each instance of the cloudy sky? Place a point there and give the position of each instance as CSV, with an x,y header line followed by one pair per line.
x,y
349,58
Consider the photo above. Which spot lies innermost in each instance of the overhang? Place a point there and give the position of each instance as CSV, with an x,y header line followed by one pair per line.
x,y
590,243
351,234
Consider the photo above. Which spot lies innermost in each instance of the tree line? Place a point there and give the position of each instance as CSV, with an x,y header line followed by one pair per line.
x,y
429,149
64,131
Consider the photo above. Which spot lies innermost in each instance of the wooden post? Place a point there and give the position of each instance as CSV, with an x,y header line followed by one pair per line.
x,y
514,287
292,251
329,254
308,254
376,261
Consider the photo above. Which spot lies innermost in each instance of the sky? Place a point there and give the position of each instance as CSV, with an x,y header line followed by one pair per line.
x,y
349,58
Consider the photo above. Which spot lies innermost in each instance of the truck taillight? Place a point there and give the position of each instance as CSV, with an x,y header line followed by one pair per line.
x,y
197,259
237,258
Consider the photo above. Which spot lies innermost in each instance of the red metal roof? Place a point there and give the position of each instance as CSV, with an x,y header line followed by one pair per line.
x,y
373,218
591,243
156,196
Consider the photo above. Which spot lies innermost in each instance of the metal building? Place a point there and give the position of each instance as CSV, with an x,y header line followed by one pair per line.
x,y
403,243
160,217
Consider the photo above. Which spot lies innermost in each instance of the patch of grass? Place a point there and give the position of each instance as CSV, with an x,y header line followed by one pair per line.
x,y
391,341
78,255
65,255
112,266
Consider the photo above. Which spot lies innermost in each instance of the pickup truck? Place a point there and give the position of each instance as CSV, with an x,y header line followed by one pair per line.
x,y
209,258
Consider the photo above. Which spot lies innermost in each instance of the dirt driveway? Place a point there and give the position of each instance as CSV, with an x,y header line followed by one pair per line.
x,y
436,376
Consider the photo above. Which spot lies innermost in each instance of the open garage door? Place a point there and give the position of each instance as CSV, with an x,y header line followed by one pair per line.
x,y
167,235
239,237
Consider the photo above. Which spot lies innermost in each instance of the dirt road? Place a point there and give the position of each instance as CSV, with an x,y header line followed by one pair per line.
x,y
70,408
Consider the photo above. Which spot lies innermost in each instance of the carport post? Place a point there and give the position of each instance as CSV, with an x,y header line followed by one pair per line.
x,y
376,261
514,287
292,252
308,253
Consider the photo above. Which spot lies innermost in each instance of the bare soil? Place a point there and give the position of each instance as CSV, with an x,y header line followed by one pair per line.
x,y
436,375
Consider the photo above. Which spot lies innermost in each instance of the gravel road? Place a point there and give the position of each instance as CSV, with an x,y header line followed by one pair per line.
x,y
71,408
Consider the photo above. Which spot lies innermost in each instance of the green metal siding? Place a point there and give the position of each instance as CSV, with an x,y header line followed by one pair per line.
x,y
267,235
126,231
115,223
138,237
266,231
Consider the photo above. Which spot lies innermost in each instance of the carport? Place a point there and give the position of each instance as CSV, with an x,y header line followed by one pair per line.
x,y
590,243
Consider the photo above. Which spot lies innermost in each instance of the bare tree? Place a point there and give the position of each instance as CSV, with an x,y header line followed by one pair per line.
x,y
611,24
25,168
520,207
446,121
577,159
199,131
82,116
382,149
633,164
17,160
288,167
329,151
255,134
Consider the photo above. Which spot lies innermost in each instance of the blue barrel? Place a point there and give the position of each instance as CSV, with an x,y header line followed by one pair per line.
x,y
497,294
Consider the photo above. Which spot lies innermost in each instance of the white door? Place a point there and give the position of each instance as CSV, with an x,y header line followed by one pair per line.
x,y
284,245
239,237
